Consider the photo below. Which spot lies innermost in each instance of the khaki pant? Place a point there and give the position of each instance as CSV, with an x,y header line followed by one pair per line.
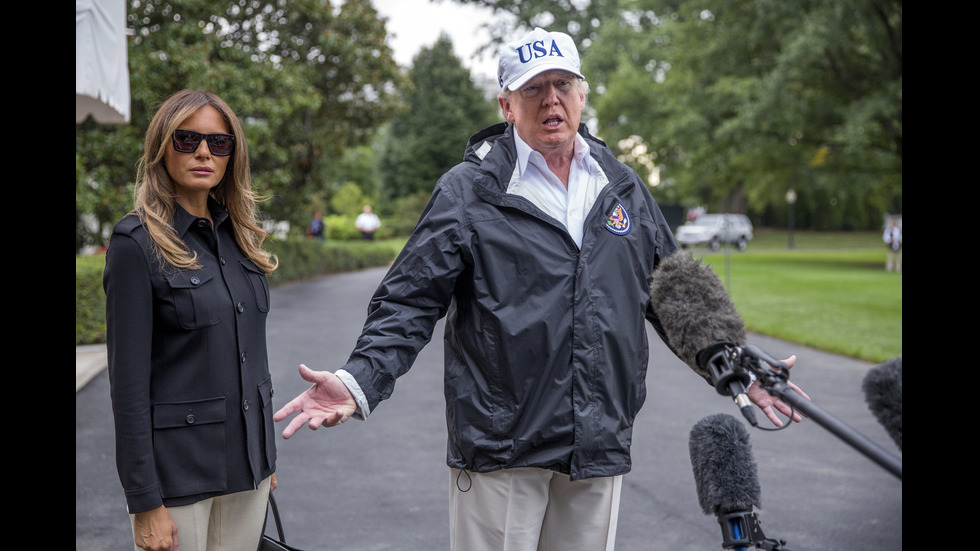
x,y
894,261
529,509
230,522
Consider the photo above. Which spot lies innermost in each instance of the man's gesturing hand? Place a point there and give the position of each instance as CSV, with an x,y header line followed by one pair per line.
x,y
767,402
327,403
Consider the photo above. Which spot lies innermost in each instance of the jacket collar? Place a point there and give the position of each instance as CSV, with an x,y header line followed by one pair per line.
x,y
182,219
494,150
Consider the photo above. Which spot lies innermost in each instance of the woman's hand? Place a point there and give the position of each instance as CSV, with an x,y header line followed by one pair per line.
x,y
154,530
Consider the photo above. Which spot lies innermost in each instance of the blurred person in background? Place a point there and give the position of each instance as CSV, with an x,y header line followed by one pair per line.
x,y
893,238
367,223
316,226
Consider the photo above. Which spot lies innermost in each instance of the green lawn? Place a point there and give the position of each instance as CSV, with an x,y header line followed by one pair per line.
x,y
830,291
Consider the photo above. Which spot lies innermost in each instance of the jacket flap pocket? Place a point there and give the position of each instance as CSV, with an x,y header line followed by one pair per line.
x,y
250,266
184,414
189,279
265,390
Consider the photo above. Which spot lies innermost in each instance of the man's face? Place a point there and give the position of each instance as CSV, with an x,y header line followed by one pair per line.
x,y
546,111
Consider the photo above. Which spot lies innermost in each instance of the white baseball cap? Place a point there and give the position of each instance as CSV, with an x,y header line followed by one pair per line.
x,y
538,51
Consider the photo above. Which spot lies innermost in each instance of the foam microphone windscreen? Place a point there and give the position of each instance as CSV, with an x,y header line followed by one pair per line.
x,y
694,309
883,392
725,473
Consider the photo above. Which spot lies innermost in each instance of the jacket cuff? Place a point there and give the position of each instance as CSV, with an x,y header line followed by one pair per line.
x,y
363,408
144,499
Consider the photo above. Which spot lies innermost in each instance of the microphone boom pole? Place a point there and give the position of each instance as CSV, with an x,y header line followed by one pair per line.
x,y
774,382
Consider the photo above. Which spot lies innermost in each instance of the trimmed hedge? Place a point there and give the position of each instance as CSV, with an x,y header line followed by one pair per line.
x,y
89,299
298,259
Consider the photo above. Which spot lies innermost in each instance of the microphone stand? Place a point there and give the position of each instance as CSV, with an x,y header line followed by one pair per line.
x,y
773,380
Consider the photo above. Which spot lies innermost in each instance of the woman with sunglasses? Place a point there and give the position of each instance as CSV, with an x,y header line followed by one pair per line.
x,y
186,306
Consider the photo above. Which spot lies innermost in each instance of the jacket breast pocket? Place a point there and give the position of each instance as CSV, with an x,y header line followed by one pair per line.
x,y
188,446
259,283
194,297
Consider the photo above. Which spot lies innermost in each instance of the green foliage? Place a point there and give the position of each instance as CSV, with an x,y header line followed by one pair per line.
x,y
764,96
299,259
443,108
340,227
738,101
89,299
306,78
356,168
399,217
349,200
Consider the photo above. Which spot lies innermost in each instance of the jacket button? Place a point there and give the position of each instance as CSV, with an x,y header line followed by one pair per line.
x,y
245,405
244,356
241,307
190,419
195,280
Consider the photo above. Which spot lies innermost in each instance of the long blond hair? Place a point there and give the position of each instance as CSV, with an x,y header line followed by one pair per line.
x,y
155,196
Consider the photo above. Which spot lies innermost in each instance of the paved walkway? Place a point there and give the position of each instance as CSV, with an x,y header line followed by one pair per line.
x,y
382,484
90,360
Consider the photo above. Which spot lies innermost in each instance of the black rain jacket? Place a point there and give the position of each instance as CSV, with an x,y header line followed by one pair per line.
x,y
545,345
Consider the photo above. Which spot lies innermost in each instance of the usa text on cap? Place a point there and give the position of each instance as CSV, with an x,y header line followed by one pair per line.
x,y
537,52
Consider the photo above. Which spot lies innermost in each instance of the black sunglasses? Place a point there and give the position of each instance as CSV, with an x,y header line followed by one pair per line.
x,y
187,141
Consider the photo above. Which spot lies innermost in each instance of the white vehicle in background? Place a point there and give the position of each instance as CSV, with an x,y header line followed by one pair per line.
x,y
714,230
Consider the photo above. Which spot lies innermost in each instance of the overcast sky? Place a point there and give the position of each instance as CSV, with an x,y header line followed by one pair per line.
x,y
414,24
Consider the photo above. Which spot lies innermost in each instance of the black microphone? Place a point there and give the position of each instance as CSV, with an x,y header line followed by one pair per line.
x,y
882,387
725,477
701,324
727,482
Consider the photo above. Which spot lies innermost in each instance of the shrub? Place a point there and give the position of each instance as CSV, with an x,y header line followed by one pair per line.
x,y
89,299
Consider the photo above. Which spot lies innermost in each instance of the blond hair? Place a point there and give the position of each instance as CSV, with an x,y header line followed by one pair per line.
x,y
155,196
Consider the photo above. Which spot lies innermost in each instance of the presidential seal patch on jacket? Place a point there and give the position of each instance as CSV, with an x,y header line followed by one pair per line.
x,y
618,221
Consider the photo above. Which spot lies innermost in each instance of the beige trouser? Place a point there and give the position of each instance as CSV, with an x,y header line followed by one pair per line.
x,y
529,509
230,522
894,261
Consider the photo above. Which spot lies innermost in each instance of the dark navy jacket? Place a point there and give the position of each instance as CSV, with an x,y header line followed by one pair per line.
x,y
188,367
545,345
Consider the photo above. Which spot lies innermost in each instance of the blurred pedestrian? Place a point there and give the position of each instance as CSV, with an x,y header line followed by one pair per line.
x,y
186,306
367,222
316,227
893,238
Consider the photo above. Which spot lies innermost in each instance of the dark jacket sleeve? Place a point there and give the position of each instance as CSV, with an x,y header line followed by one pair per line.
x,y
666,245
413,296
129,326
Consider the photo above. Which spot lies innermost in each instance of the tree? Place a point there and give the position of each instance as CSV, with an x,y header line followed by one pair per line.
x,y
308,80
442,109
736,101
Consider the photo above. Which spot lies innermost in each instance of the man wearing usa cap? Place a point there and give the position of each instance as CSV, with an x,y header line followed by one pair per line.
x,y
539,249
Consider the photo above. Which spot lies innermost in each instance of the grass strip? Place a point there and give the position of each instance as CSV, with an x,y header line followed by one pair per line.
x,y
836,299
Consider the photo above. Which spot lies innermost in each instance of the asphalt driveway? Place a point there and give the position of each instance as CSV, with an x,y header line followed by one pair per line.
x,y
382,484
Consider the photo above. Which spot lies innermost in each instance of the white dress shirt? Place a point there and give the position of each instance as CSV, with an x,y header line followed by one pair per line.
x,y
534,181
